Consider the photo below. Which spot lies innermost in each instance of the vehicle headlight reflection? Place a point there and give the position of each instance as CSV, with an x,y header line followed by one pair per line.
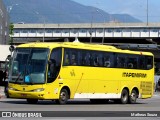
x,y
38,90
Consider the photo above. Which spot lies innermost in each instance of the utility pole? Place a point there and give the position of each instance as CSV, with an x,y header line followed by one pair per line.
x,y
44,27
91,27
103,26
147,12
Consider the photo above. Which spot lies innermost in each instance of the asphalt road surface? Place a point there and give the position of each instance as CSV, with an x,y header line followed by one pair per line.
x,y
84,109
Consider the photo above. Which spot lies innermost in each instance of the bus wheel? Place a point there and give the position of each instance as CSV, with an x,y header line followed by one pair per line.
x,y
32,101
63,97
133,97
124,96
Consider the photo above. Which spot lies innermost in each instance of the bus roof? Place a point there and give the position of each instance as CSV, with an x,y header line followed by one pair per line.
x,y
80,45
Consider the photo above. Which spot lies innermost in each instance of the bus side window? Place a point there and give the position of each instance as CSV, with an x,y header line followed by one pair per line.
x,y
96,60
149,62
83,58
91,61
130,65
100,59
66,59
121,62
141,62
132,62
73,59
88,59
107,62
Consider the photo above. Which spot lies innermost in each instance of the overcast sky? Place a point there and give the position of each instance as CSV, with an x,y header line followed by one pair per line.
x,y
136,8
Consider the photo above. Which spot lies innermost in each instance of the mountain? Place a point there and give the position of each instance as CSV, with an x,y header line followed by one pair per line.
x,y
59,11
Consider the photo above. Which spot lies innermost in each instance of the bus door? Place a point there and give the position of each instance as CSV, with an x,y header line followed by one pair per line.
x,y
54,64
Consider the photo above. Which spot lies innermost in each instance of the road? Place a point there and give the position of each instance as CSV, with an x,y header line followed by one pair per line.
x,y
152,104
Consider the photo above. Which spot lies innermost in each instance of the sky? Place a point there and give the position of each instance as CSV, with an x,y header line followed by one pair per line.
x,y
136,8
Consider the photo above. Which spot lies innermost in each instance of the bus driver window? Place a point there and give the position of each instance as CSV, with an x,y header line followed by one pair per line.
x,y
54,64
52,68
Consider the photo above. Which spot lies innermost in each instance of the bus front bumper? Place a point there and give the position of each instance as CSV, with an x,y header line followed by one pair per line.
x,y
25,95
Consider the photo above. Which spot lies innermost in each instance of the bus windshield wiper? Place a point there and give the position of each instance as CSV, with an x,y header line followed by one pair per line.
x,y
18,78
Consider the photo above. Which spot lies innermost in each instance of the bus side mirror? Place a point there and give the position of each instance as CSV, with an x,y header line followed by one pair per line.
x,y
11,48
9,57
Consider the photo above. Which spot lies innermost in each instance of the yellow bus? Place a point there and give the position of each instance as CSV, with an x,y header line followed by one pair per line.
x,y
69,70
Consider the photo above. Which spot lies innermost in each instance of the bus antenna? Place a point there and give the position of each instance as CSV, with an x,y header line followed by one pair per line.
x,y
76,40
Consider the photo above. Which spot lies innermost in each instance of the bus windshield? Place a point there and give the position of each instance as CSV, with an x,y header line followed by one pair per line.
x,y
29,66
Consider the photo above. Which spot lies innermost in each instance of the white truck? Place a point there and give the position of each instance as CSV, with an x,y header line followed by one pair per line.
x,y
4,52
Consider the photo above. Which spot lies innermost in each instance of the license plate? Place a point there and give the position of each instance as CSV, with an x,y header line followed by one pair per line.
x,y
24,95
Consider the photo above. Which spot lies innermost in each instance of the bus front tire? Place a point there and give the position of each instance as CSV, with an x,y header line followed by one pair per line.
x,y
63,97
133,97
32,101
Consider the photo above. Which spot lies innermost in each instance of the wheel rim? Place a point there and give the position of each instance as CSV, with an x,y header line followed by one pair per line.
x,y
133,96
63,96
124,97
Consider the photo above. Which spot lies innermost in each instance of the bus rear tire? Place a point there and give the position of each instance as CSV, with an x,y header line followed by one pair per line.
x,y
63,97
32,101
124,96
133,97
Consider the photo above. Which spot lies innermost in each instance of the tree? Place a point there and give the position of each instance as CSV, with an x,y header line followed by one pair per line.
x,y
11,27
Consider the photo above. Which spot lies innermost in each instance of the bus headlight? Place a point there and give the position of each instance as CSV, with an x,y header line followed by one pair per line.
x,y
10,88
38,90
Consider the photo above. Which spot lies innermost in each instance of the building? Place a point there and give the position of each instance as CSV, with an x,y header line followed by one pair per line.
x,y
4,24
